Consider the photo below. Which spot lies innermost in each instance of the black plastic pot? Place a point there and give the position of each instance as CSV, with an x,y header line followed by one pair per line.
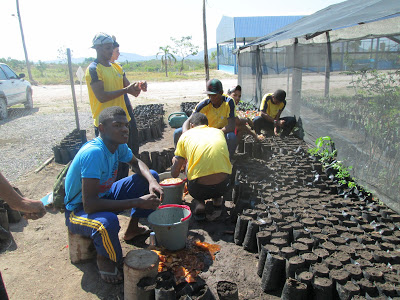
x,y
227,290
294,290
241,229
273,274
293,264
322,288
250,240
146,288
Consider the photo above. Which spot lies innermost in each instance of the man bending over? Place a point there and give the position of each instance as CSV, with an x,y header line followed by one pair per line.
x,y
208,166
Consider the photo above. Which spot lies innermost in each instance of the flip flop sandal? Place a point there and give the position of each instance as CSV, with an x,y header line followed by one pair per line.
x,y
146,232
115,273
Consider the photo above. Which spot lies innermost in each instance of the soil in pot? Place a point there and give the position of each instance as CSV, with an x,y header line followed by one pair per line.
x,y
322,288
227,290
293,264
320,270
347,290
294,290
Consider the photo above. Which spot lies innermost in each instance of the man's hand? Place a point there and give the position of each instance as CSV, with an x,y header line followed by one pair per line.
x,y
155,188
281,123
33,209
276,131
134,89
143,85
149,201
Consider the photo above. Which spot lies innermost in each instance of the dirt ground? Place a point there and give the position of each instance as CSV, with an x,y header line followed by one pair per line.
x,y
36,263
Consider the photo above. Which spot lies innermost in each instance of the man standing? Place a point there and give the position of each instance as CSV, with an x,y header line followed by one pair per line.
x,y
107,83
271,108
220,112
208,166
133,140
93,198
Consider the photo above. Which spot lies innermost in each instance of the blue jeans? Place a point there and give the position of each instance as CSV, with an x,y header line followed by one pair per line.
x,y
230,140
103,227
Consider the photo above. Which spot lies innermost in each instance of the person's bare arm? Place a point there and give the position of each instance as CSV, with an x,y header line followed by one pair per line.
x,y
34,209
140,167
267,117
230,127
92,203
105,96
177,164
186,125
126,81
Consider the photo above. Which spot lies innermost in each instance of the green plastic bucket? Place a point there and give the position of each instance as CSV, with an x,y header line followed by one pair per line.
x,y
170,223
172,192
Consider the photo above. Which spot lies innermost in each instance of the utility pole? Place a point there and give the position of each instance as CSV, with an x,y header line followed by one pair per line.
x,y
205,42
23,43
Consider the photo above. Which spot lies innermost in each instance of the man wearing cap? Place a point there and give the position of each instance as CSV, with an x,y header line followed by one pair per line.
x,y
220,112
272,105
106,82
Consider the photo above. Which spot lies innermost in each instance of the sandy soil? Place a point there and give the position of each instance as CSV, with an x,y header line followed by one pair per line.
x,y
36,264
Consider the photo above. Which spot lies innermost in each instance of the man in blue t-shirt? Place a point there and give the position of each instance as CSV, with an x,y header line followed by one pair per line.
x,y
93,198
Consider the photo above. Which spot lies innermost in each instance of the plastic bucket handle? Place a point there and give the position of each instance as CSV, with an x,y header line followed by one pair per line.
x,y
179,206
172,184
176,114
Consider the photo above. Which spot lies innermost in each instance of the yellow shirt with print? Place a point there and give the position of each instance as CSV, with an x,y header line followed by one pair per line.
x,y
270,108
112,77
205,150
217,117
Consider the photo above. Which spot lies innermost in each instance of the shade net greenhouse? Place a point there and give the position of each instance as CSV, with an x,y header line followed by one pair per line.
x,y
342,79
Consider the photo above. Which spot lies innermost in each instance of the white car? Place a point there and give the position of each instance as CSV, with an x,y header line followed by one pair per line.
x,y
13,90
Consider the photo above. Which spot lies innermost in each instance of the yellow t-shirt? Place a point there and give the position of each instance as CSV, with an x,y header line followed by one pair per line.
x,y
270,108
205,150
217,117
113,79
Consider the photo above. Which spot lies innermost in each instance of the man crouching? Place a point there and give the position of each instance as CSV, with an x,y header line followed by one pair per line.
x,y
208,166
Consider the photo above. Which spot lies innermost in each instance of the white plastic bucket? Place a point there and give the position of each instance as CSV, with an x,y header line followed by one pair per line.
x,y
173,193
170,223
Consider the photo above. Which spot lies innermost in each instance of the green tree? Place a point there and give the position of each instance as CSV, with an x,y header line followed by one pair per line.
x,y
184,48
214,56
62,56
41,66
167,58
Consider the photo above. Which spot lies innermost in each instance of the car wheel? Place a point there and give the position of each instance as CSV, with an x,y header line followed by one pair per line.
x,y
3,109
29,101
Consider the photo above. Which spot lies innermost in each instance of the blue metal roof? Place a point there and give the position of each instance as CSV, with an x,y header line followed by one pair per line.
x,y
260,26
250,27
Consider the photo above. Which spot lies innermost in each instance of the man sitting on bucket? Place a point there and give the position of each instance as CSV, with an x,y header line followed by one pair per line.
x,y
205,151
93,198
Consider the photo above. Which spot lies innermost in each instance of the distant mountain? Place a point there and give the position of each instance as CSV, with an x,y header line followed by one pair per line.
x,y
200,55
136,57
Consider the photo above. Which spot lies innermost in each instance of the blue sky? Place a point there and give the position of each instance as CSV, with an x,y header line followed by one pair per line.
x,y
140,26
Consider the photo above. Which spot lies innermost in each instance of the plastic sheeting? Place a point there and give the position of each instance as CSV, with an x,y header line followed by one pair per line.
x,y
348,90
340,16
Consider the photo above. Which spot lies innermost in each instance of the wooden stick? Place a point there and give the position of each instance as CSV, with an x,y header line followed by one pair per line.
x,y
49,160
